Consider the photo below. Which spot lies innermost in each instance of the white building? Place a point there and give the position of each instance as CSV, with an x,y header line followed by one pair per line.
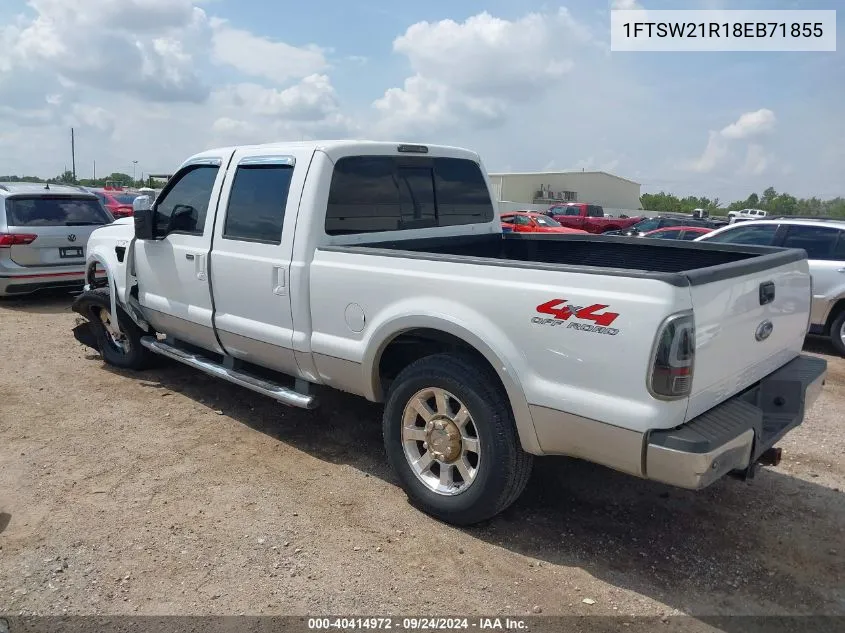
x,y
544,188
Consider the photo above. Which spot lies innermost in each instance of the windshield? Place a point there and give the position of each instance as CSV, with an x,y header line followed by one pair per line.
x,y
55,211
649,224
544,220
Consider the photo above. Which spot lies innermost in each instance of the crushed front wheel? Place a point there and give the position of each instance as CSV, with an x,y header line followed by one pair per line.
x,y
119,344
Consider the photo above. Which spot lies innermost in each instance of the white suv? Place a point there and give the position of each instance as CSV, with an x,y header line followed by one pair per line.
x,y
824,241
43,232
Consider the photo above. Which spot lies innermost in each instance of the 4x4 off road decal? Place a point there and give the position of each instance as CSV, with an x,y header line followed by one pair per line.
x,y
573,316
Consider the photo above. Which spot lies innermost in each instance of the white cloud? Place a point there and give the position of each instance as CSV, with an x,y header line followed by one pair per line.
x,y
626,5
471,72
423,104
718,152
117,45
91,117
312,99
757,160
751,124
261,57
713,155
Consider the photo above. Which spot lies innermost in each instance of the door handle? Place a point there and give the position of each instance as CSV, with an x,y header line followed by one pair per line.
x,y
840,270
189,256
279,273
767,292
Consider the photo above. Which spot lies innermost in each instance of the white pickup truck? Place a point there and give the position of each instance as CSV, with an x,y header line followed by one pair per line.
x,y
381,269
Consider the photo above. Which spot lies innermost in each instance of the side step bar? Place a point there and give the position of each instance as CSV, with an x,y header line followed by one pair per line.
x,y
285,395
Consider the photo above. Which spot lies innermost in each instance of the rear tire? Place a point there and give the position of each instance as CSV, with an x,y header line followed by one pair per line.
x,y
837,333
124,352
470,434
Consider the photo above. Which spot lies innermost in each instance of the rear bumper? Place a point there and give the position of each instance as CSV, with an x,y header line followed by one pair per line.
x,y
733,435
30,281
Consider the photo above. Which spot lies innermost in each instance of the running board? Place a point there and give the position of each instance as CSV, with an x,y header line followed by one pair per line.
x,y
285,395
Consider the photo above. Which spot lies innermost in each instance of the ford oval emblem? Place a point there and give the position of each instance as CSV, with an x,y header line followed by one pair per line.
x,y
764,330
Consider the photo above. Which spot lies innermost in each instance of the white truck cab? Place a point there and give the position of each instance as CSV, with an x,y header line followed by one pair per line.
x,y
381,269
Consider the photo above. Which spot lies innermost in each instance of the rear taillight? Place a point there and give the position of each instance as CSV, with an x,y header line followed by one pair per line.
x,y
810,307
673,358
7,240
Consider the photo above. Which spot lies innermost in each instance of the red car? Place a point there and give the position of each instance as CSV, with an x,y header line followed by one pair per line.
x,y
119,203
589,217
529,222
678,232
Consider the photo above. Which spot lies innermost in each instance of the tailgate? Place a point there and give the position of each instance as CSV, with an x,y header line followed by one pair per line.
x,y
746,327
53,246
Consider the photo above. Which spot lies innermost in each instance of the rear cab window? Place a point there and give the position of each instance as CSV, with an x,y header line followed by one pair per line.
x,y
389,193
55,211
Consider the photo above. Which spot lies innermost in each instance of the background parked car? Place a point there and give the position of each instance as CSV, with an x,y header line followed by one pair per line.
x,y
119,203
588,217
645,225
678,233
748,214
529,222
43,233
824,241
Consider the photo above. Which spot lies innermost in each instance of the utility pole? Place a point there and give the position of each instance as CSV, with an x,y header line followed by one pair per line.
x,y
73,153
134,166
95,169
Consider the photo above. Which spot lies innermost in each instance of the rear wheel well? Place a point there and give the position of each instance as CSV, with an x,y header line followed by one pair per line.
x,y
835,311
412,345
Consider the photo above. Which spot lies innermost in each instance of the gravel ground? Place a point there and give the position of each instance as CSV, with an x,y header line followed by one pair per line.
x,y
168,492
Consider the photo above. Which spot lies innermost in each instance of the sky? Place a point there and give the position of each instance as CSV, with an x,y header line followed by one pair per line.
x,y
528,85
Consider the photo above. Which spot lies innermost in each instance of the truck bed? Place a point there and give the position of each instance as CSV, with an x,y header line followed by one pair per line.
x,y
677,263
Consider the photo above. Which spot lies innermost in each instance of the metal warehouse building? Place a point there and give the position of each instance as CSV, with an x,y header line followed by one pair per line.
x,y
543,188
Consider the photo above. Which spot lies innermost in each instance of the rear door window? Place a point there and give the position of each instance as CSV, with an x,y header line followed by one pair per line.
x,y
55,211
820,242
756,234
386,193
257,202
594,211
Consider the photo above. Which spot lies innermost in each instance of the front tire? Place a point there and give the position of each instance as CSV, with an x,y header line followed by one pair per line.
x,y
837,333
124,349
450,438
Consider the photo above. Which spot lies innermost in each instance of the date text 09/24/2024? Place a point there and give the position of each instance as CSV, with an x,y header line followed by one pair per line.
x,y
416,623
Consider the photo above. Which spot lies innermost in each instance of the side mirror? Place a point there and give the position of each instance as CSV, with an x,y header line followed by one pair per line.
x,y
144,224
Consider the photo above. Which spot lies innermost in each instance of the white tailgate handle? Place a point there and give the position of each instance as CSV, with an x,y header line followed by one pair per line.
x,y
279,273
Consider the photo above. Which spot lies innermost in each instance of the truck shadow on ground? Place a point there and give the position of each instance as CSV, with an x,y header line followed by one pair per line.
x,y
770,545
44,302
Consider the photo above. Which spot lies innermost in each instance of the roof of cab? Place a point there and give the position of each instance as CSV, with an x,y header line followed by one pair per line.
x,y
332,147
31,188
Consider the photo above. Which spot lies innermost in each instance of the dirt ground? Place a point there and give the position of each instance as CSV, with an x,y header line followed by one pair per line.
x,y
169,492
